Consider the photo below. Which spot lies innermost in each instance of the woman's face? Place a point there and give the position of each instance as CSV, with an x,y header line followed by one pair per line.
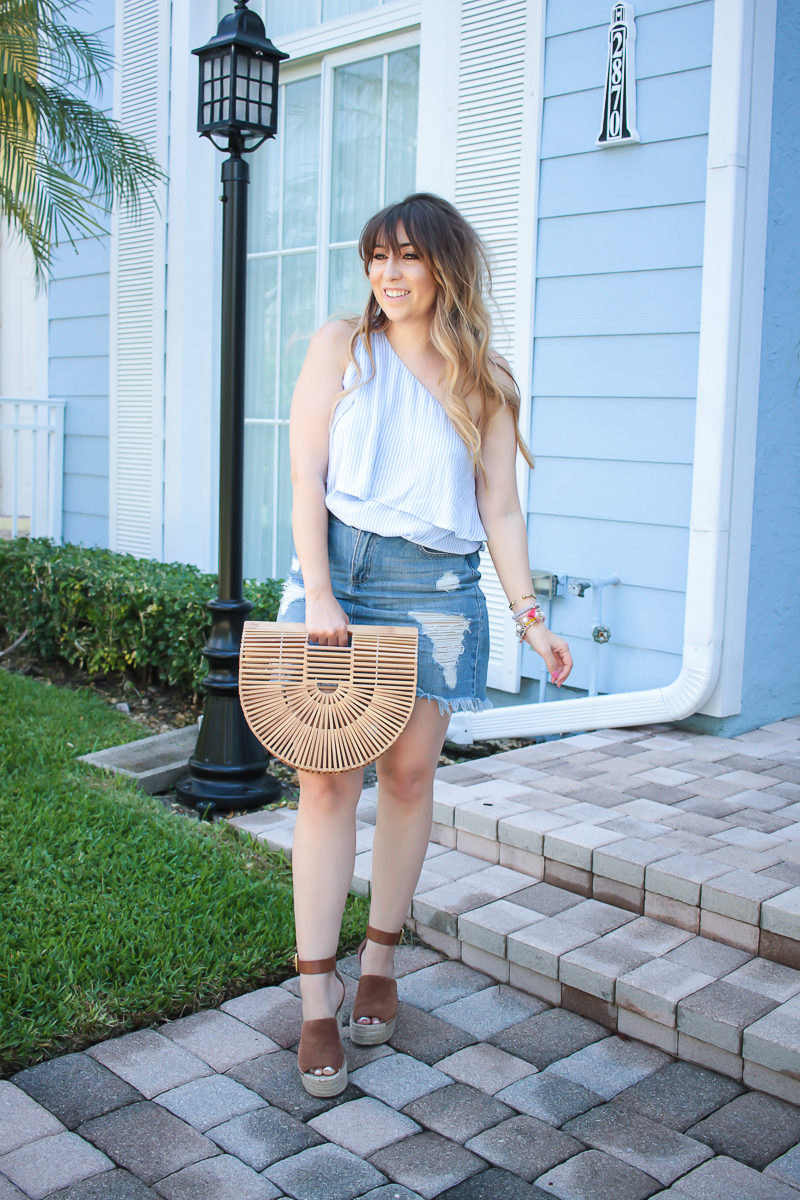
x,y
401,283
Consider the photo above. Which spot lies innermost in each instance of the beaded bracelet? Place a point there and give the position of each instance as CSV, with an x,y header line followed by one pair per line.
x,y
526,618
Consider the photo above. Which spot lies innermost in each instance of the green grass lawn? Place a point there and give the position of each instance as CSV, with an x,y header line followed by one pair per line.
x,y
117,914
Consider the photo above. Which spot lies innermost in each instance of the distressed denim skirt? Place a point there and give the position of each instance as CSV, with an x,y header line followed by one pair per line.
x,y
390,581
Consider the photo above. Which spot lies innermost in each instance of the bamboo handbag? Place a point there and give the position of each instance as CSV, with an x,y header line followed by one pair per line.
x,y
327,708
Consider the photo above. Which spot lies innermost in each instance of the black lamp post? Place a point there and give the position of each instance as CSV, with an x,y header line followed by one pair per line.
x,y
238,101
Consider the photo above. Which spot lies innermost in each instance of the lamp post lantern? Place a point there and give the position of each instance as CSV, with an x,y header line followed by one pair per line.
x,y
238,102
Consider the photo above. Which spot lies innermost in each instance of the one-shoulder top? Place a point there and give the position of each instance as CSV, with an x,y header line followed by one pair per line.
x,y
396,464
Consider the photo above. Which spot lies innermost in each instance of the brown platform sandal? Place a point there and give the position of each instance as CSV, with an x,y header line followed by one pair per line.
x,y
320,1039
376,997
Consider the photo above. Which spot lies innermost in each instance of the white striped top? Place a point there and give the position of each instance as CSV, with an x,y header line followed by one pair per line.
x,y
396,464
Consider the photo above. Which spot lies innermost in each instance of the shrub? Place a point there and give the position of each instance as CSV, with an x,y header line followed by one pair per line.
x,y
107,612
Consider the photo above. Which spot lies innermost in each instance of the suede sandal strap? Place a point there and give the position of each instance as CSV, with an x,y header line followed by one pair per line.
x,y
376,997
320,1045
314,966
383,939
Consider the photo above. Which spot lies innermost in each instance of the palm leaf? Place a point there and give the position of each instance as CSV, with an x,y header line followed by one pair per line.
x,y
63,162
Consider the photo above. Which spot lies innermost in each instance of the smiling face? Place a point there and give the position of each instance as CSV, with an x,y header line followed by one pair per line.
x,y
401,282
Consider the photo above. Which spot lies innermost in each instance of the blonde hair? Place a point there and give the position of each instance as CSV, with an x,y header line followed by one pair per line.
x,y
461,327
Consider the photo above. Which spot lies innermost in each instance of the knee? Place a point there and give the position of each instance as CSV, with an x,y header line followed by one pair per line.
x,y
324,796
407,782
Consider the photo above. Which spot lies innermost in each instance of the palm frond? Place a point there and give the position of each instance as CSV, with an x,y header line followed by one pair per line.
x,y
63,162
34,39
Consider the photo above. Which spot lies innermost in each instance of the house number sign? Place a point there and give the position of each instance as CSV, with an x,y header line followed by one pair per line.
x,y
619,109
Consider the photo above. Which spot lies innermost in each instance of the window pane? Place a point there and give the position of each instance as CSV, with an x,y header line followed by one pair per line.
x,y
283,515
298,303
401,124
259,506
264,200
262,337
332,9
357,97
301,162
347,284
287,16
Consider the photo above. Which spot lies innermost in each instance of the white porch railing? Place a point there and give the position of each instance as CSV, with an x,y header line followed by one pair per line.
x,y
31,467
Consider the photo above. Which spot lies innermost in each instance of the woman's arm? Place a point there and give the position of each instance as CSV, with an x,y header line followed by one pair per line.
x,y
318,385
507,539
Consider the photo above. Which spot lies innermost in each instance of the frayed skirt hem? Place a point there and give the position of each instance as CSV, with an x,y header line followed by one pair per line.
x,y
456,704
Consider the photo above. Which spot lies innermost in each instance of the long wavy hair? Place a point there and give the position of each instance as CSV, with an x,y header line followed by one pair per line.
x,y
461,327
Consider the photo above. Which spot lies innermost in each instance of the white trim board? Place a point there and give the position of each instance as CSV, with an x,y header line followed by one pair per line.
x,y
726,699
349,31
194,241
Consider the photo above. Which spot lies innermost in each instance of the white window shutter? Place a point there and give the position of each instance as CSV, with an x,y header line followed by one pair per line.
x,y
499,119
137,291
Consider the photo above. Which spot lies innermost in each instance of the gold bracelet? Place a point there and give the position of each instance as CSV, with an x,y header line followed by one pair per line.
x,y
517,603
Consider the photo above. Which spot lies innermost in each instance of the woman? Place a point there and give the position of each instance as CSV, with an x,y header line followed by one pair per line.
x,y
403,434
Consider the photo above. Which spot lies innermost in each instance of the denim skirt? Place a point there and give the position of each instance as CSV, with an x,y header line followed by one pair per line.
x,y
390,581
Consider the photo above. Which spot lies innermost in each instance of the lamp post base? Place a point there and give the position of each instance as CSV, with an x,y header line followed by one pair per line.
x,y
209,798
229,764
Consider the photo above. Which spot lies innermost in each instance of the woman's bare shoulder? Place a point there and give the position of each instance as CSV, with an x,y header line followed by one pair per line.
x,y
500,368
334,337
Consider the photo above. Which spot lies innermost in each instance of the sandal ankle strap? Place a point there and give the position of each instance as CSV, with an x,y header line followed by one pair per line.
x,y
314,966
383,939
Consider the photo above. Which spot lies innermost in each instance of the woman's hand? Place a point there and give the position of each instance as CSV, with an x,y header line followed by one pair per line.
x,y
326,620
553,649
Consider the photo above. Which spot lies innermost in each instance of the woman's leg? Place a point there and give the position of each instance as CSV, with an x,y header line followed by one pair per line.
x,y
322,870
403,826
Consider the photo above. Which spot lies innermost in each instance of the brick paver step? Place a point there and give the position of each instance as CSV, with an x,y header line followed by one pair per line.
x,y
680,992
698,832
647,880
708,1002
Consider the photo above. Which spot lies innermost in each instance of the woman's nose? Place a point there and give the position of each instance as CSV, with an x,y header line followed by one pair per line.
x,y
393,267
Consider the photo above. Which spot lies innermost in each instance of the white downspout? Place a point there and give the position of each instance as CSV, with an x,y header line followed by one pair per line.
x,y
718,357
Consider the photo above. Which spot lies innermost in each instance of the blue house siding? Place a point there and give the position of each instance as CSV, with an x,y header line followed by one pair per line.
x,y
78,304
771,677
619,266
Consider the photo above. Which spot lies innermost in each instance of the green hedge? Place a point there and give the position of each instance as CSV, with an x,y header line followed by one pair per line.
x,y
107,612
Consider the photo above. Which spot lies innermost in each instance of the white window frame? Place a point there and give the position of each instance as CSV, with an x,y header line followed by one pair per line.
x,y
322,65
388,18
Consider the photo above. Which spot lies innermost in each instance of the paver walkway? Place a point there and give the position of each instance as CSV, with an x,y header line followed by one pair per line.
x,y
649,877
485,1093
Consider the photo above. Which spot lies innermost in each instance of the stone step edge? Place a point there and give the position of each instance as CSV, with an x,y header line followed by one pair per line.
x,y
627,1022
764,1054
629,987
762,931
277,827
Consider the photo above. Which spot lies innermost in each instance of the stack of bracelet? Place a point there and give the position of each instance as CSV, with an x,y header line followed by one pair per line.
x,y
526,617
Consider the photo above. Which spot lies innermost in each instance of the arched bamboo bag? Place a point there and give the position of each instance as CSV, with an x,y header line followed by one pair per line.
x,y
327,708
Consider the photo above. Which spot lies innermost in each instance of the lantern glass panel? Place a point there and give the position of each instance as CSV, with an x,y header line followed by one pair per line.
x,y
215,88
